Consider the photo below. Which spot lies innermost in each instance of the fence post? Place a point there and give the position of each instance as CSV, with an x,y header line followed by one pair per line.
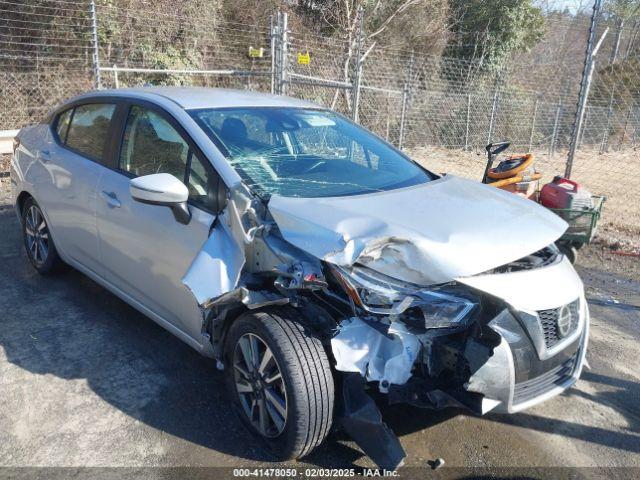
x,y
273,33
493,108
605,134
533,123
405,99
94,44
583,129
357,74
466,129
279,42
115,76
554,133
626,124
284,55
585,83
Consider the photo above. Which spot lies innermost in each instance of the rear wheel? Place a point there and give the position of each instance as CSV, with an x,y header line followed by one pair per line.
x,y
37,239
280,381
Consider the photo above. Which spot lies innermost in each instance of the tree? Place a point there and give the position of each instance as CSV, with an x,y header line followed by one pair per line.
x,y
489,31
621,11
401,23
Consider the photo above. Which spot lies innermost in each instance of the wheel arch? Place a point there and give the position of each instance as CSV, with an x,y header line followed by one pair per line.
x,y
22,197
308,314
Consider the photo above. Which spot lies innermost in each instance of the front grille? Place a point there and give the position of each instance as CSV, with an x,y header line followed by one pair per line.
x,y
554,332
540,385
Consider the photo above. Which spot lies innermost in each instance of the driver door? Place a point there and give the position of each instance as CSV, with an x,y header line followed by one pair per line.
x,y
145,251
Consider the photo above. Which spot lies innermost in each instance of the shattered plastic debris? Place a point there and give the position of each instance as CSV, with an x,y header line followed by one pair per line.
x,y
383,357
362,420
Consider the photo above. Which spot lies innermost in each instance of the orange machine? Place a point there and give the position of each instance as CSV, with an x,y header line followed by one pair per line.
x,y
514,174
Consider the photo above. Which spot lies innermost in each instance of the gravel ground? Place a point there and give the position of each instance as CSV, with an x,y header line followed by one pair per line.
x,y
86,381
5,186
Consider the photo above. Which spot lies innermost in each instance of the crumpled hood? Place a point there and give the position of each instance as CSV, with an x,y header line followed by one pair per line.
x,y
427,234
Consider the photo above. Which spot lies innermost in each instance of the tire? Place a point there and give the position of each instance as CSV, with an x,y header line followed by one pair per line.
x,y
37,239
307,389
569,250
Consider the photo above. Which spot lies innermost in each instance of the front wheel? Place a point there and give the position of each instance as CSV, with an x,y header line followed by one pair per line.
x,y
280,381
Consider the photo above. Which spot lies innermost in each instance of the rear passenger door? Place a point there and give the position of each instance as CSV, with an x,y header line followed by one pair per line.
x,y
145,251
75,162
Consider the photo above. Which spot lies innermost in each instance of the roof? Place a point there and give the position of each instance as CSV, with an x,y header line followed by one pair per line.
x,y
202,97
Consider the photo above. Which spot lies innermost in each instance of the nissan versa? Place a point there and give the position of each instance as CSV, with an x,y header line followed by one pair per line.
x,y
312,260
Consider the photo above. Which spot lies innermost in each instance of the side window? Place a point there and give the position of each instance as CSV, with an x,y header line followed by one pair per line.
x,y
151,145
62,124
89,127
202,183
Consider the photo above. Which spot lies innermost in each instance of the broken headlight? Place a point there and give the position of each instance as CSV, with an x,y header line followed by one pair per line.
x,y
377,293
445,308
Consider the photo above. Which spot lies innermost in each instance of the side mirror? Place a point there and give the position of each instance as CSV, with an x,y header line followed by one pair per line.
x,y
165,190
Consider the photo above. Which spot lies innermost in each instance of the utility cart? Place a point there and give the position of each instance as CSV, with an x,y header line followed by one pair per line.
x,y
583,223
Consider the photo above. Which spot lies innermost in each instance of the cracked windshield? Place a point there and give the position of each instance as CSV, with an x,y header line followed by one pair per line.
x,y
295,152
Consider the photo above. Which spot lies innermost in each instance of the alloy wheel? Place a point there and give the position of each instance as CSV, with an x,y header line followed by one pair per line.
x,y
260,385
37,234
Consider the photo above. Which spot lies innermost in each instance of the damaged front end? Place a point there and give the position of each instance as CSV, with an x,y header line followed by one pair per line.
x,y
500,338
488,342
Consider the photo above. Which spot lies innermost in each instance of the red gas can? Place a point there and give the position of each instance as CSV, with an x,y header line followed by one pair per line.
x,y
565,193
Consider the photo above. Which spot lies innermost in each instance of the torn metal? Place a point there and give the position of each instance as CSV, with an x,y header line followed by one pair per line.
x,y
428,234
217,267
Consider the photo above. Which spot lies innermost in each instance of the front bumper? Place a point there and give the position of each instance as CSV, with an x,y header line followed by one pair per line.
x,y
511,381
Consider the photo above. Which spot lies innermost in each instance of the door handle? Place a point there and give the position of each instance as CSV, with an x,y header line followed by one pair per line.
x,y
44,155
111,198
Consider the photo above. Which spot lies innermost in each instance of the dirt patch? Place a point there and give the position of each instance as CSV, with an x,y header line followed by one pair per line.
x,y
5,181
612,174
5,161
604,258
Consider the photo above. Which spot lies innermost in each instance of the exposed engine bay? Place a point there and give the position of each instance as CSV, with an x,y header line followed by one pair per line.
x,y
430,315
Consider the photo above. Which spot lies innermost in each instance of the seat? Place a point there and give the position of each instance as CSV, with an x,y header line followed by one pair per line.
x,y
234,134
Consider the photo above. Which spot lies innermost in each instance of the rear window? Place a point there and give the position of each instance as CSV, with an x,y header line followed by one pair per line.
x,y
89,128
62,124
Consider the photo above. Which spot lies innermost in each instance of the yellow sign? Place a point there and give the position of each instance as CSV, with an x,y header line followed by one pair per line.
x,y
256,52
304,58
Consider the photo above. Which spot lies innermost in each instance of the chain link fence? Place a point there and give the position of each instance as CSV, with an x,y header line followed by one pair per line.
x,y
442,111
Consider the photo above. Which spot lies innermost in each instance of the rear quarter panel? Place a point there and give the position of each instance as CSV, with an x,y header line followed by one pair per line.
x,y
28,173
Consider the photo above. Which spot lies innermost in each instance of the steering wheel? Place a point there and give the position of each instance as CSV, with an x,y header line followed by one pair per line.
x,y
496,148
